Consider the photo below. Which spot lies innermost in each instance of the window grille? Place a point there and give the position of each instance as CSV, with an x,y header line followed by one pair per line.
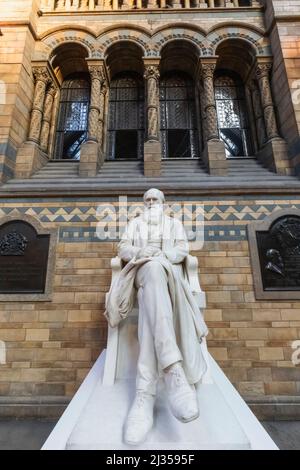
x,y
72,121
179,132
126,117
233,124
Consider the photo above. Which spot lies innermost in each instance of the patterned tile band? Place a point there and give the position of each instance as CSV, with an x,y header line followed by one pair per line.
x,y
77,221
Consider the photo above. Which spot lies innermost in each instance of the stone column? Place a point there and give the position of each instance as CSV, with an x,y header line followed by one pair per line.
x,y
258,113
214,155
48,111
274,154
251,117
152,4
30,158
97,78
42,78
89,151
151,76
51,145
101,122
209,100
262,73
152,147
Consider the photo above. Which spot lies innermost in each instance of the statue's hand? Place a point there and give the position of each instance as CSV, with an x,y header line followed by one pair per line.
x,y
148,251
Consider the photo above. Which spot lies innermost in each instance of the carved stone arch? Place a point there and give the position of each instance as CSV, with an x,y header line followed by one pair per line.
x,y
83,38
197,38
250,35
111,37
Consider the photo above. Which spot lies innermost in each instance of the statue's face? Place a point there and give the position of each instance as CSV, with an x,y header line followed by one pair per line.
x,y
152,200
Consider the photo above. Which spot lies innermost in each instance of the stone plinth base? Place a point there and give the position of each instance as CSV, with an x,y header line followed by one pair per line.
x,y
152,158
274,155
90,159
30,159
214,157
225,421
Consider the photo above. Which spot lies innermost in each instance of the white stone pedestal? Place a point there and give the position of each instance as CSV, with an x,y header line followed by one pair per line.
x,y
95,419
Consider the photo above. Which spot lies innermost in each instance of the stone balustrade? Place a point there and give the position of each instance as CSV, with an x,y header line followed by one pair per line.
x,y
102,5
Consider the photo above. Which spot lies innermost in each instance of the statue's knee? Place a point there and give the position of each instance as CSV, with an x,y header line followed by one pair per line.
x,y
155,270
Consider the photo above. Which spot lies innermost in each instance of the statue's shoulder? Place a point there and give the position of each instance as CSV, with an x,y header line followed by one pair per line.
x,y
135,221
171,219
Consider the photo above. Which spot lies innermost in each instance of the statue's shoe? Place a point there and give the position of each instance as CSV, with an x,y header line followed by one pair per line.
x,y
140,419
181,395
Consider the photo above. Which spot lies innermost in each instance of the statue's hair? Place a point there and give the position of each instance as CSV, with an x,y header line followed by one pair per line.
x,y
159,194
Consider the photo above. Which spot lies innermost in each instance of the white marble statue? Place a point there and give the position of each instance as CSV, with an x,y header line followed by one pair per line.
x,y
170,325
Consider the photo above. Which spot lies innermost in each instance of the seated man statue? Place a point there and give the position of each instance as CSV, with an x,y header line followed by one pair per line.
x,y
170,324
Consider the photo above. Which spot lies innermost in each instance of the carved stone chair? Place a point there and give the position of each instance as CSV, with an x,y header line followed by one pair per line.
x,y
122,343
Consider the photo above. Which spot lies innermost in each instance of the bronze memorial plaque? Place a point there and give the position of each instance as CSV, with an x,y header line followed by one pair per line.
x,y
23,258
275,252
279,254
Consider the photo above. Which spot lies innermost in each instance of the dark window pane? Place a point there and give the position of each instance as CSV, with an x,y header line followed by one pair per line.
x,y
178,123
126,144
126,117
179,143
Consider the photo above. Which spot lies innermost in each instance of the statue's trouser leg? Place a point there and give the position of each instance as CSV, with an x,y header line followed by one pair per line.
x,y
156,329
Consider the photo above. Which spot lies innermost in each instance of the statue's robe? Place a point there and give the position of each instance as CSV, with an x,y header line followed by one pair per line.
x,y
189,324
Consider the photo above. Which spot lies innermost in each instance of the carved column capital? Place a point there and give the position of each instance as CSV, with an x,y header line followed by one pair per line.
x,y
263,70
151,71
208,70
41,74
97,72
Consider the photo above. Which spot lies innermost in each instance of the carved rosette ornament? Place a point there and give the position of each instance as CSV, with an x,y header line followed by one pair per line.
x,y
262,73
98,78
46,124
151,75
42,78
209,101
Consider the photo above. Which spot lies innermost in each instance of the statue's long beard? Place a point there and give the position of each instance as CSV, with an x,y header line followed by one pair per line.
x,y
153,215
